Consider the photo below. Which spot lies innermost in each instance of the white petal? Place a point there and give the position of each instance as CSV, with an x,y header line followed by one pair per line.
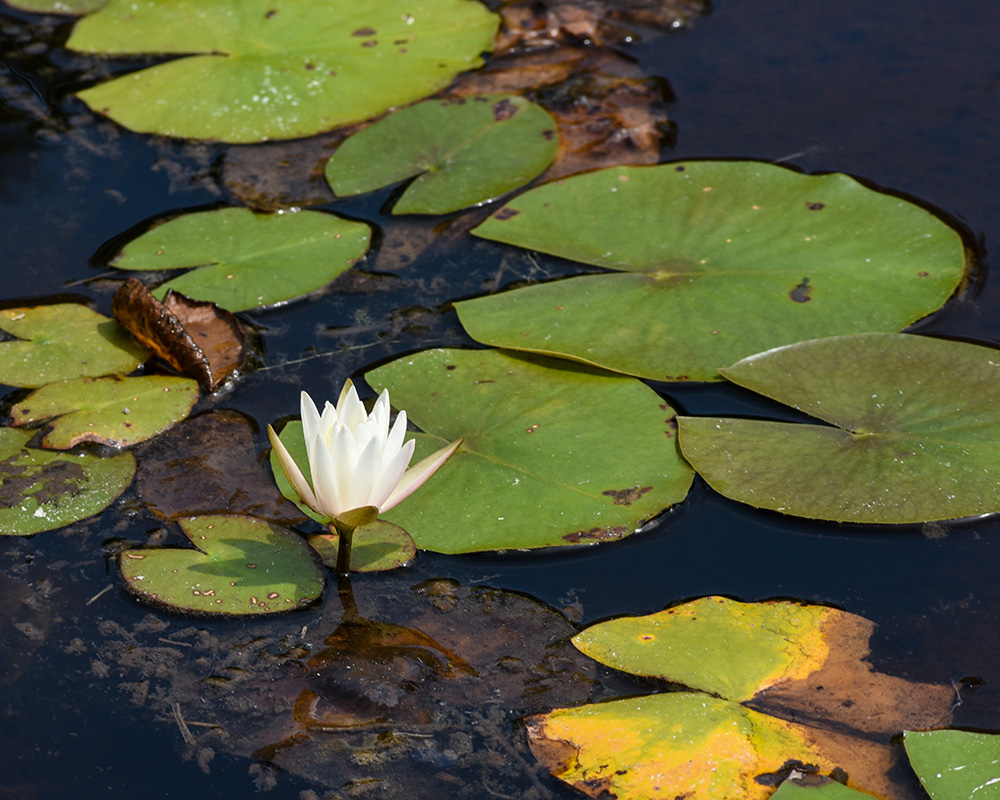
x,y
390,473
324,473
348,385
394,441
365,476
417,475
344,460
310,419
292,471
350,409
380,413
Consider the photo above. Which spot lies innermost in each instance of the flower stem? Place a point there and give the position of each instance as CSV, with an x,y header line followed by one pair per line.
x,y
345,541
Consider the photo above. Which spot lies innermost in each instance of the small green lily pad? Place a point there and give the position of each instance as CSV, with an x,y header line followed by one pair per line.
x,y
713,261
464,151
277,69
243,566
554,454
955,764
115,411
816,787
377,547
245,260
62,341
917,434
41,490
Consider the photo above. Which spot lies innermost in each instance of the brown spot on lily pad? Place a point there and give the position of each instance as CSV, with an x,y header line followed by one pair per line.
x,y
504,110
625,497
506,213
597,535
800,294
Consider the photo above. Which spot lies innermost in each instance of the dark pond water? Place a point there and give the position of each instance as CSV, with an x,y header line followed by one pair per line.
x,y
904,94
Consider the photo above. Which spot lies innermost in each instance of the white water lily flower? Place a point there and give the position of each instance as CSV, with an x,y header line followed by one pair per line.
x,y
356,460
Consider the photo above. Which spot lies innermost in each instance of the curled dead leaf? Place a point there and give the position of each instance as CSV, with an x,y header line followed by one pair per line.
x,y
196,338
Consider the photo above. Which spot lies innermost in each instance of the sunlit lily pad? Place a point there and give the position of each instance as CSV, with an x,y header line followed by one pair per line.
x,y
376,547
245,260
809,786
713,261
243,566
917,434
67,340
554,453
776,686
277,69
41,490
114,411
463,151
71,7
955,764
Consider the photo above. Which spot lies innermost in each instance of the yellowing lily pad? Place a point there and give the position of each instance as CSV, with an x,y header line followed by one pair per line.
x,y
712,261
62,341
376,547
245,260
776,686
955,764
463,151
116,411
242,566
917,434
277,69
41,490
554,453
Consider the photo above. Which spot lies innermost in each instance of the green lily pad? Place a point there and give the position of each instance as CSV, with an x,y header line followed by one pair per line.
x,y
116,411
71,7
774,686
67,340
955,764
554,453
277,69
245,260
376,547
917,434
464,151
802,786
41,490
243,566
713,261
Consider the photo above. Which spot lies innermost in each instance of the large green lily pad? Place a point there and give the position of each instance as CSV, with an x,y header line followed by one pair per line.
x,y
62,341
465,150
774,686
116,411
554,454
242,566
956,764
713,261
73,7
917,434
245,260
41,490
277,69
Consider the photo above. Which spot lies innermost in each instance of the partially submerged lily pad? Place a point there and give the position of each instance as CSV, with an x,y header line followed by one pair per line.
x,y
955,764
376,547
115,411
917,434
277,69
245,260
41,490
462,151
777,685
554,453
242,566
62,341
713,261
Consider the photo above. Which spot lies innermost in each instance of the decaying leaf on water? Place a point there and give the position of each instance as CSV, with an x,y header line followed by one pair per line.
x,y
773,686
61,341
115,411
196,338
208,464
413,688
